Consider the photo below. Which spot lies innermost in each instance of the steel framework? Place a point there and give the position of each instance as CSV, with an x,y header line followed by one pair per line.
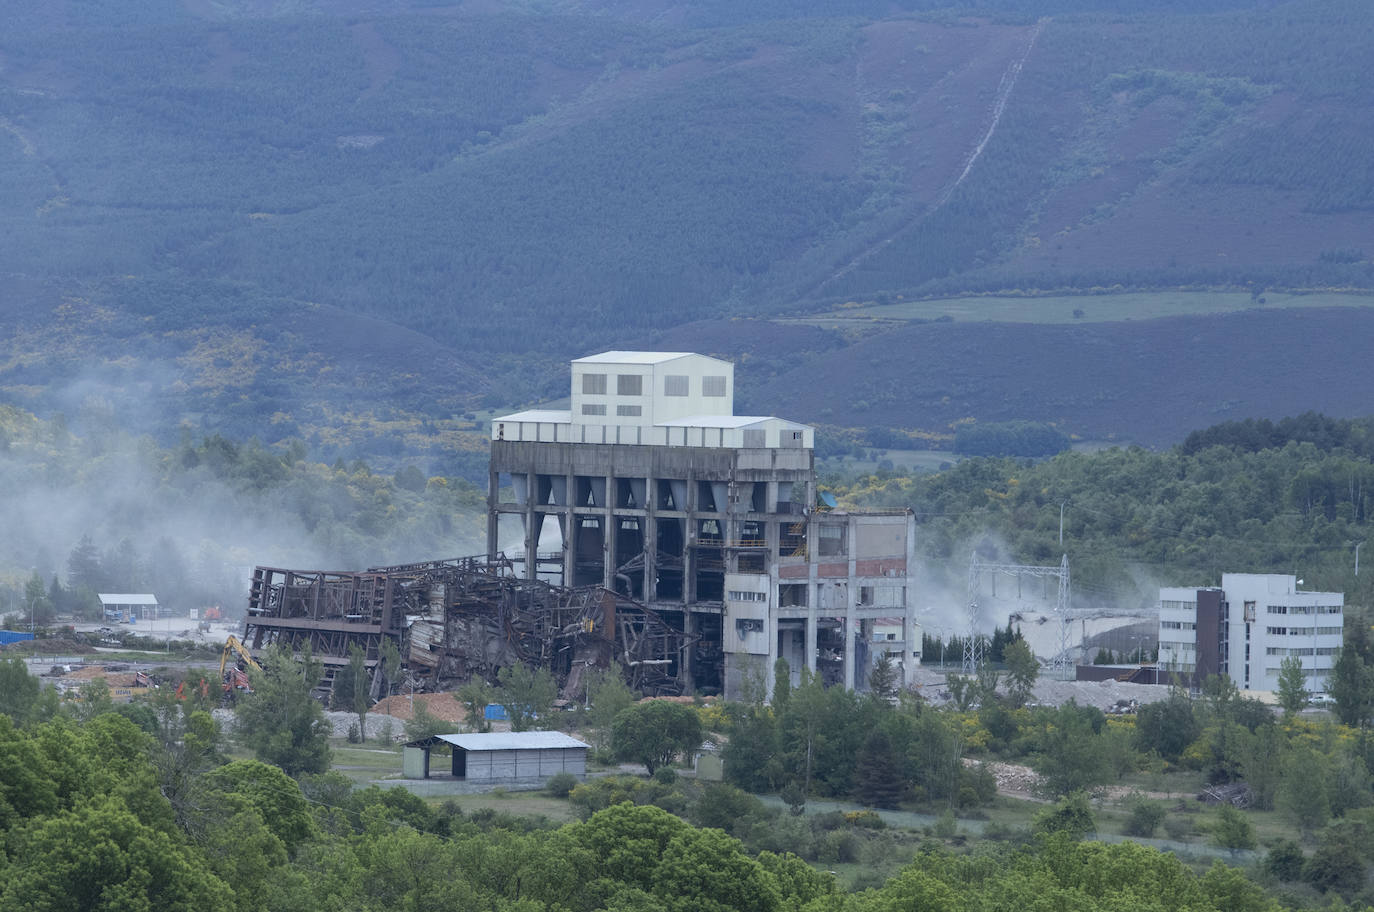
x,y
973,644
453,620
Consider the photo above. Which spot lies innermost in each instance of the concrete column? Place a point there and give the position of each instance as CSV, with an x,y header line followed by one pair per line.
x,y
650,537
570,533
689,627
851,599
608,535
531,529
810,644
689,575
493,518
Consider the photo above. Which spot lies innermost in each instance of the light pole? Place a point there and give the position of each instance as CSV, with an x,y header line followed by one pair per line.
x,y
1061,521
1357,557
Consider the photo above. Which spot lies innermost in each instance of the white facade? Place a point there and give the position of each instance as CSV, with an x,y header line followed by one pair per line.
x,y
648,388
653,399
1178,630
1265,619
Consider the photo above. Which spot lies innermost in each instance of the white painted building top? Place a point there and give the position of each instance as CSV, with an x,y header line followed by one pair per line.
x,y
653,399
505,741
640,357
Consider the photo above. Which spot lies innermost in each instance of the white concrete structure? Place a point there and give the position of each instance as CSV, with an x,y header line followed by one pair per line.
x,y
653,399
1247,627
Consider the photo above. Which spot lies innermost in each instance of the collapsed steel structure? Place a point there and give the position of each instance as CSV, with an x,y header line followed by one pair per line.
x,y
455,620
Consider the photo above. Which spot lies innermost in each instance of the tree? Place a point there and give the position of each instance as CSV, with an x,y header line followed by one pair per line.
x,y
1232,829
528,694
655,732
475,694
782,683
1168,726
280,719
883,678
350,687
391,662
878,772
1072,816
1073,755
18,690
1292,693
1352,687
607,696
1022,670
100,856
1302,793
37,605
83,566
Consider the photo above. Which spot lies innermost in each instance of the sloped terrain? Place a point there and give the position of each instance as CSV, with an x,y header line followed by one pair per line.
x,y
349,222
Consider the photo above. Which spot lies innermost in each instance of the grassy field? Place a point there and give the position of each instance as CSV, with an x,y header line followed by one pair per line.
x,y
1106,308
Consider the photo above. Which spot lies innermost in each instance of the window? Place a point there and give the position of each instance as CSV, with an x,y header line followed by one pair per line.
x,y
1276,631
628,411
676,385
629,385
713,386
741,596
593,384
593,409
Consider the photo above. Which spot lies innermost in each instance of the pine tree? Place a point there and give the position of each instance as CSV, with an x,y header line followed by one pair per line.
x,y
878,773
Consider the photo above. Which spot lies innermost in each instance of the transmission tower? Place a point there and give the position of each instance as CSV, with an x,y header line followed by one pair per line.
x,y
973,645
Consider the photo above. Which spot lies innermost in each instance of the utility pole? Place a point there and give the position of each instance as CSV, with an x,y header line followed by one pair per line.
x,y
1061,528
1357,557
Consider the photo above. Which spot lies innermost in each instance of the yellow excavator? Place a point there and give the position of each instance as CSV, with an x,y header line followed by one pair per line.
x,y
234,678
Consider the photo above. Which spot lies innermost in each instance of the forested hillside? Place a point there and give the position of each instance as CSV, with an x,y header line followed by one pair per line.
x,y
1256,497
346,221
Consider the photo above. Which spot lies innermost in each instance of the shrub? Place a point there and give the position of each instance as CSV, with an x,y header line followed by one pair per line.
x,y
1145,817
560,785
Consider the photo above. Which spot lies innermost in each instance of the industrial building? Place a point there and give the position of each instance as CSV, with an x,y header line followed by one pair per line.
x,y
500,758
1247,627
649,486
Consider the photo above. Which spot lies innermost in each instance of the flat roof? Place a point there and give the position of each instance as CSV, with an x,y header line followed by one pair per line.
x,y
638,357
500,741
543,416
121,598
724,421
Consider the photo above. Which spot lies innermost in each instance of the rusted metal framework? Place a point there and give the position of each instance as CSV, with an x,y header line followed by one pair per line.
x,y
467,617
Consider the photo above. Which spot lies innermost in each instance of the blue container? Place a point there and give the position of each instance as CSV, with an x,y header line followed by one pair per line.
x,y
14,636
495,712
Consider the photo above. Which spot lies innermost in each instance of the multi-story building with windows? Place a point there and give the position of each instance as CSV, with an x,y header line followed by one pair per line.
x,y
650,485
1247,627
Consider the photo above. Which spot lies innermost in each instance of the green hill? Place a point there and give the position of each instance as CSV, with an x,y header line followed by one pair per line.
x,y
254,216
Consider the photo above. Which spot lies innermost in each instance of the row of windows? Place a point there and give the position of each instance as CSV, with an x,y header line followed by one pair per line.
x,y
1168,605
1304,609
714,386
738,596
1178,625
1302,631
624,411
1302,651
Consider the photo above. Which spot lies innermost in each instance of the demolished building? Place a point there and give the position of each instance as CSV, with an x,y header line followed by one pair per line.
x,y
647,525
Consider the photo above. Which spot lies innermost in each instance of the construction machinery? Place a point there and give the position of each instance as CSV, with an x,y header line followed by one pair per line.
x,y
234,678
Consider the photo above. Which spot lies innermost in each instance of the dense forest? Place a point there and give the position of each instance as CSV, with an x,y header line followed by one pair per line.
x,y
261,218
1284,497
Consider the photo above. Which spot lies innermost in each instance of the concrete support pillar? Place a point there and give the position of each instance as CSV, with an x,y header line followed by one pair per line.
x,y
493,518
570,532
532,527
650,538
689,627
689,571
810,644
608,534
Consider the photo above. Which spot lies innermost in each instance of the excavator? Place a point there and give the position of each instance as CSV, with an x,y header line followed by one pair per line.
x,y
234,678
